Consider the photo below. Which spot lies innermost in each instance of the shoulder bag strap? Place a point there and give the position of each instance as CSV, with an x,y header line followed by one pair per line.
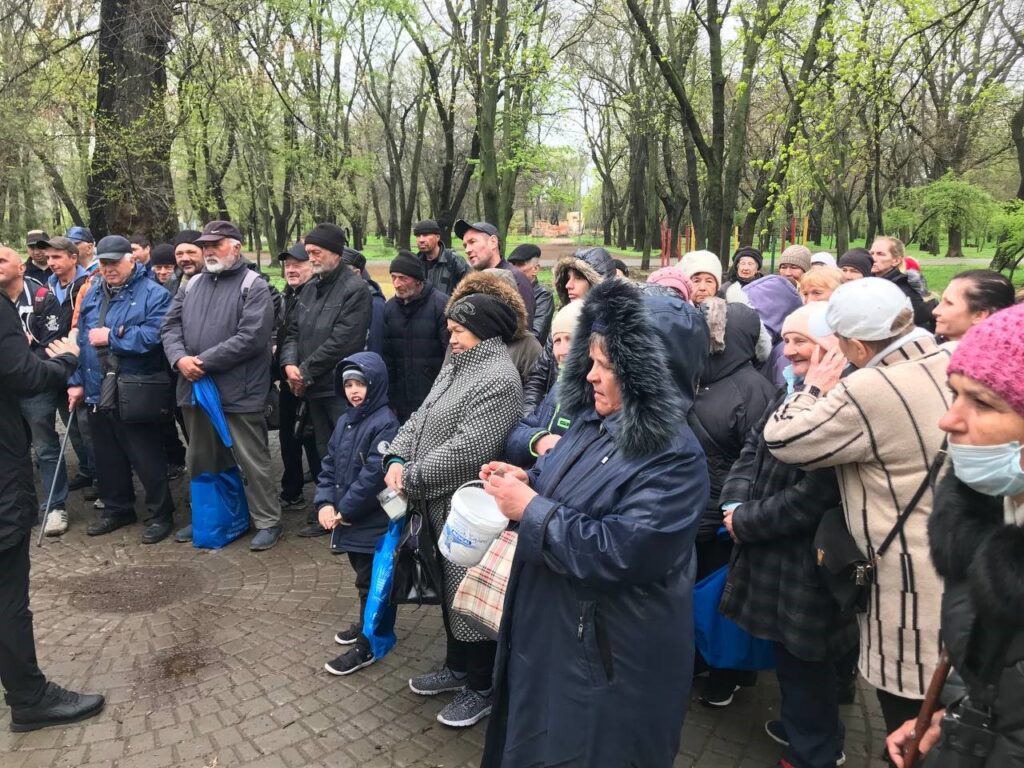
x,y
929,478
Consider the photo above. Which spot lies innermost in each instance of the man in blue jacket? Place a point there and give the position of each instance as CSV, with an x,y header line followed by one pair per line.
x,y
119,334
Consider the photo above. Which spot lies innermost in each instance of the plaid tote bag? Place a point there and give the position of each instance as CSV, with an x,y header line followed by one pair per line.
x,y
480,597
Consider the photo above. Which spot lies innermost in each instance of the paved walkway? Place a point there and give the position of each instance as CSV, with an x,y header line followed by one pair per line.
x,y
215,659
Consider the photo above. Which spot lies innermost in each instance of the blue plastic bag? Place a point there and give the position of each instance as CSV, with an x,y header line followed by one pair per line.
x,y
220,512
379,616
722,643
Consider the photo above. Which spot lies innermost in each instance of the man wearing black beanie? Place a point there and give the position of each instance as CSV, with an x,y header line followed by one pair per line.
x,y
443,266
415,335
329,322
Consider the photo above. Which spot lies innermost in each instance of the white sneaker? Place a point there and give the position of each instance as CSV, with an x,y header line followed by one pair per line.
x,y
98,504
56,522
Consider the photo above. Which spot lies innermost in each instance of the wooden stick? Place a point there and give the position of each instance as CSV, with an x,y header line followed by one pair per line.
x,y
928,708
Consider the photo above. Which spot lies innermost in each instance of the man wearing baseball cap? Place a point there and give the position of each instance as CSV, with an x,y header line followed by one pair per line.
x,y
221,325
36,267
878,427
85,243
483,250
444,267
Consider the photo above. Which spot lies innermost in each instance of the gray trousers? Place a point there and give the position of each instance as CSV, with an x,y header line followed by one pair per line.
x,y
324,413
206,453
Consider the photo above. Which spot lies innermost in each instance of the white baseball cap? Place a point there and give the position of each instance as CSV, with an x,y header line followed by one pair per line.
x,y
866,310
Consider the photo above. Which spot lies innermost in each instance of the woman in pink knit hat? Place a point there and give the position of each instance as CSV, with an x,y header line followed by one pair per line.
x,y
976,536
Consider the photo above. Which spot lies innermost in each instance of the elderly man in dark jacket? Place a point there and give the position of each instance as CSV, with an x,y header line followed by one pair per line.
x,y
526,258
329,322
221,325
119,329
34,702
415,335
595,651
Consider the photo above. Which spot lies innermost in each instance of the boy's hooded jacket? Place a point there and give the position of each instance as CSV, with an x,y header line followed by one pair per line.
x,y
351,473
595,650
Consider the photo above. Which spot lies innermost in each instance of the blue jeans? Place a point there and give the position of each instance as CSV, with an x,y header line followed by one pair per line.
x,y
81,437
40,411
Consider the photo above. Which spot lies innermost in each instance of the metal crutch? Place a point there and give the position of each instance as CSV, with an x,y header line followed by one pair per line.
x,y
53,485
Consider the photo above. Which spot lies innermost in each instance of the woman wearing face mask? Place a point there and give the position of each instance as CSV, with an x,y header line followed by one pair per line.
x,y
976,535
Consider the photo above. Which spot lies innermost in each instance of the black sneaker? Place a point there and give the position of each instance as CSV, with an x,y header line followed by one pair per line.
x,y
348,636
313,529
78,482
777,732
354,659
718,693
58,706
299,502
438,681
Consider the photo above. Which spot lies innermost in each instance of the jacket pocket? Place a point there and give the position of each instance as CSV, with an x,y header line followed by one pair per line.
x,y
594,647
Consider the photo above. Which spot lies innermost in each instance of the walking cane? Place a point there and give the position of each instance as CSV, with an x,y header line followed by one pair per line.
x,y
928,708
53,485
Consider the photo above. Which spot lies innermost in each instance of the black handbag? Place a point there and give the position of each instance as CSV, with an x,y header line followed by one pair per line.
x,y
844,569
417,576
144,397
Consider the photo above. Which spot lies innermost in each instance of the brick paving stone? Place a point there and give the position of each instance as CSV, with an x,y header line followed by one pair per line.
x,y
232,669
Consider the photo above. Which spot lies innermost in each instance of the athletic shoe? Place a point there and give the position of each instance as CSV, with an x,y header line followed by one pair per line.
x,y
348,636
299,502
777,732
438,681
265,538
468,708
718,693
184,535
58,706
56,522
355,659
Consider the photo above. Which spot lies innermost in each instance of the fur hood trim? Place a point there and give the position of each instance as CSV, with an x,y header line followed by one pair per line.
x,y
714,312
970,542
652,408
595,264
481,282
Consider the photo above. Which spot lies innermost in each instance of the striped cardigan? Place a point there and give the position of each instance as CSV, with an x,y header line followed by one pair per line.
x,y
879,429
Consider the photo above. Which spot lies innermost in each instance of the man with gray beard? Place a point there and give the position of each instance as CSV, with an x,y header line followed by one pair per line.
x,y
221,325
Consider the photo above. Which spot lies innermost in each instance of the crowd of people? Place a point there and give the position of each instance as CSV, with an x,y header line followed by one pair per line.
x,y
638,436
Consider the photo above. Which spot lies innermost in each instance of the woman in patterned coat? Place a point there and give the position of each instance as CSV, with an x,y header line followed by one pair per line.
x,y
475,402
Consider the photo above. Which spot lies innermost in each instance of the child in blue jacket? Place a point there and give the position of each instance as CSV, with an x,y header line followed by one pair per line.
x,y
351,476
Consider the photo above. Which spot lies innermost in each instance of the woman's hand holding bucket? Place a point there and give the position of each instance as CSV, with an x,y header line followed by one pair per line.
x,y
509,485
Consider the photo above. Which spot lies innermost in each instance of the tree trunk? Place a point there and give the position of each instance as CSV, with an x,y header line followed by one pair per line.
x,y
1017,131
129,187
955,247
814,224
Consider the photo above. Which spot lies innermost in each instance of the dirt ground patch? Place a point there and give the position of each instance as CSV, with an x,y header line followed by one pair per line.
x,y
133,589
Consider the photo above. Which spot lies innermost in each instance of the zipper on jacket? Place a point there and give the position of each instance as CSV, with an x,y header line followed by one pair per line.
x,y
579,632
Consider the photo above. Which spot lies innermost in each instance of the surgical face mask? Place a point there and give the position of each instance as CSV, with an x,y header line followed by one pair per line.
x,y
990,469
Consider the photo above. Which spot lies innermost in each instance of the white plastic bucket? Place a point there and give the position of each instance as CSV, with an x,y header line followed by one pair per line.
x,y
472,525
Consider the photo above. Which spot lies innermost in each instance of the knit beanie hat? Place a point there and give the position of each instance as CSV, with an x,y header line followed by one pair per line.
x,y
330,237
797,256
162,255
484,316
186,237
992,353
823,257
798,321
674,278
702,261
749,252
353,373
407,264
566,319
353,258
859,259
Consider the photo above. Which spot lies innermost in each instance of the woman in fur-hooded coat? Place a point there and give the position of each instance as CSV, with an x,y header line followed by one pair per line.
x,y
524,347
595,652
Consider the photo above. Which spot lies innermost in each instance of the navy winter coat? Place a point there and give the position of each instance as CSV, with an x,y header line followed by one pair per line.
x,y
375,334
133,317
415,342
548,419
351,474
595,652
